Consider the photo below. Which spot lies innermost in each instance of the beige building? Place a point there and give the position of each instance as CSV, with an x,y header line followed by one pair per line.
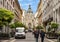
x,y
18,11
28,18
39,13
36,19
23,16
13,6
51,12
56,12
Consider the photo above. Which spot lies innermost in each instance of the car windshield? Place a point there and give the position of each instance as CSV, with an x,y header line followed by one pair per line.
x,y
19,30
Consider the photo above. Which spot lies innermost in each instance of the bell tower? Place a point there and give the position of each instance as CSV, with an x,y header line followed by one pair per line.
x,y
29,9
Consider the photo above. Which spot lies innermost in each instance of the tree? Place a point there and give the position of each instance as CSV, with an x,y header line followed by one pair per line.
x,y
39,27
5,16
12,26
17,24
54,26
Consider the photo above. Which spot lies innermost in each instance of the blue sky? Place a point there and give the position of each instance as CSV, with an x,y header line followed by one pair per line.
x,y
25,3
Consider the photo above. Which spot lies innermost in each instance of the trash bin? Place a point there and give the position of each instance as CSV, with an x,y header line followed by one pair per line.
x,y
58,40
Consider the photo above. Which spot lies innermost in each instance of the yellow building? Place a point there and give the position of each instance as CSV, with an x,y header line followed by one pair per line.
x,y
39,11
17,11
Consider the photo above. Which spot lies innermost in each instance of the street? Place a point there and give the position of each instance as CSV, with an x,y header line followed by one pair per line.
x,y
29,38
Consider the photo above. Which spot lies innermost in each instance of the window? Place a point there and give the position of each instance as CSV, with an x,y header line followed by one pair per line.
x,y
0,2
3,2
13,4
11,1
59,10
7,5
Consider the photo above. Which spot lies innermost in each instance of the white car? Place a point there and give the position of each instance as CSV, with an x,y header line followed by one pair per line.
x,y
20,32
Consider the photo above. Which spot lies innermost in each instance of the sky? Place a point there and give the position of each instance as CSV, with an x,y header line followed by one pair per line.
x,y
25,4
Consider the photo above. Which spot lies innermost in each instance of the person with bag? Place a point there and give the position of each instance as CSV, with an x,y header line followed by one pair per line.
x,y
36,34
42,35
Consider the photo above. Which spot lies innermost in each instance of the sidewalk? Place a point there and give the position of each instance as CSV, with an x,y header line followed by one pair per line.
x,y
7,40
53,40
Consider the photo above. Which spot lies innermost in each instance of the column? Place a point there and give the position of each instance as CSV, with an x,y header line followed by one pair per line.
x,y
54,16
58,16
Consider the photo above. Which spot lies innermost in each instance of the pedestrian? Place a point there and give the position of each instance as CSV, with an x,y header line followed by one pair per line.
x,y
36,34
42,35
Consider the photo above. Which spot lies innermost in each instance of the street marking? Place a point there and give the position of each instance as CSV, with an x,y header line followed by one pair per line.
x,y
13,40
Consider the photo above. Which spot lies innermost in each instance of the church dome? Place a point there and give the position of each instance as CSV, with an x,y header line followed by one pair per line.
x,y
29,9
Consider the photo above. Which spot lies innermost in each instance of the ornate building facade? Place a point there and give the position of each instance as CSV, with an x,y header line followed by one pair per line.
x,y
51,11
29,18
39,13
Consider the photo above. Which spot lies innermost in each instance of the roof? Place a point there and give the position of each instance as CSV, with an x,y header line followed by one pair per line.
x,y
29,9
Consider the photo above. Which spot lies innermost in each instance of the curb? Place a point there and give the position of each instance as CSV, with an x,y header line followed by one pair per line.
x,y
11,38
52,40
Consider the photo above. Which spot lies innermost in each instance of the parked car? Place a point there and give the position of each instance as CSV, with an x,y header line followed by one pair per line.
x,y
20,32
26,31
30,30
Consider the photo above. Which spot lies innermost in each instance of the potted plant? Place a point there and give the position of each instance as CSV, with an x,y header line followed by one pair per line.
x,y
54,26
39,27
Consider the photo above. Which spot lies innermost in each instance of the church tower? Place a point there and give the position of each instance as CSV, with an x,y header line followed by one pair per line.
x,y
29,9
29,17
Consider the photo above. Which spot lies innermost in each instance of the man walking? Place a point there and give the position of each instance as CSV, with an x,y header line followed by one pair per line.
x,y
42,35
36,34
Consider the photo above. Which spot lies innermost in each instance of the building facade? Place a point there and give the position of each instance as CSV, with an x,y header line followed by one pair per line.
x,y
39,13
56,12
51,10
17,11
13,6
28,19
23,16
36,19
